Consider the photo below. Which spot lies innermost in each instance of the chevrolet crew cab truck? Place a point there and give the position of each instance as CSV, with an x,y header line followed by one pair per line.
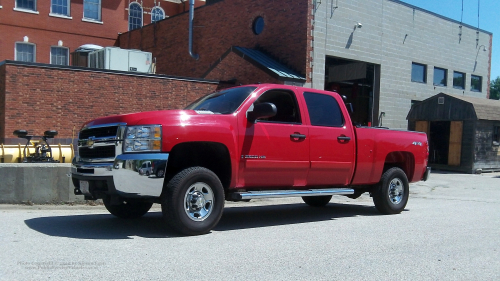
x,y
248,142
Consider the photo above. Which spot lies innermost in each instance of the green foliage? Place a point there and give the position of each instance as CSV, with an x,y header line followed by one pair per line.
x,y
495,89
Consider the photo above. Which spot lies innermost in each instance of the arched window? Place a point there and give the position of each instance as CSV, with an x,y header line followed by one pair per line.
x,y
134,16
157,14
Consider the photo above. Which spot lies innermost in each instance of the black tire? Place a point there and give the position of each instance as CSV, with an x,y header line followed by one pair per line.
x,y
317,201
160,173
147,173
193,201
390,195
128,209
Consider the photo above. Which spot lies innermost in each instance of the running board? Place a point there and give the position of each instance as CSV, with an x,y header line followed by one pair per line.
x,y
290,193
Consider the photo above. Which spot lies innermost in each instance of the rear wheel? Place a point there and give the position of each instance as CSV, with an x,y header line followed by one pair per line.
x,y
127,209
391,193
193,201
317,201
160,173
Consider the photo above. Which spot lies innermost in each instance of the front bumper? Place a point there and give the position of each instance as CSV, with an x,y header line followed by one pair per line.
x,y
119,177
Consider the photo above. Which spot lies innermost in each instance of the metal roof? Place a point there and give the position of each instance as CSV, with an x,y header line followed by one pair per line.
x,y
268,63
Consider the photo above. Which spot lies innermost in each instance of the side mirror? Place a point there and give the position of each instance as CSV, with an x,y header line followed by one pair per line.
x,y
262,110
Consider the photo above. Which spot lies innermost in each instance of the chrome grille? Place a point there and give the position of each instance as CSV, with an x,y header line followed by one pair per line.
x,y
99,144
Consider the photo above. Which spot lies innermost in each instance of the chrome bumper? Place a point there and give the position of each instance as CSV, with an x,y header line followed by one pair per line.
x,y
123,173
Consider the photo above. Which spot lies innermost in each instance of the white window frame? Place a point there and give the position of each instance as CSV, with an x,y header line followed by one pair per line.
x,y
99,20
142,14
25,43
68,15
159,8
67,55
34,11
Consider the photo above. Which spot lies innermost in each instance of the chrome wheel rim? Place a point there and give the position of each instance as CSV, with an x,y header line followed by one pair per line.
x,y
396,191
199,201
160,173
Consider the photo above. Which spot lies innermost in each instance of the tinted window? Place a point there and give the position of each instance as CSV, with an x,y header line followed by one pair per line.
x,y
440,76
476,83
418,73
458,80
223,102
287,110
323,110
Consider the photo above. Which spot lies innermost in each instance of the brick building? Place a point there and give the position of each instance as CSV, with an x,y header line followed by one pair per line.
x,y
383,55
48,31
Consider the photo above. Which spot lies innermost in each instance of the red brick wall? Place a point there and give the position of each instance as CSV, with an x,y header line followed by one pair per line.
x,y
45,31
236,67
222,25
41,98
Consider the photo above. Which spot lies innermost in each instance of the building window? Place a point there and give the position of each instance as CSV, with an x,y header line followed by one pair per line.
x,y
458,80
418,73
25,52
440,76
59,55
157,14
60,7
134,16
26,4
496,135
476,83
92,9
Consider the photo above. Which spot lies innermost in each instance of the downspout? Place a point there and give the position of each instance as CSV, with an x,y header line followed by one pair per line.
x,y
191,17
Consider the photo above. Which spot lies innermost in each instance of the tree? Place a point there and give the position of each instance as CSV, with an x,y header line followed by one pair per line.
x,y
495,89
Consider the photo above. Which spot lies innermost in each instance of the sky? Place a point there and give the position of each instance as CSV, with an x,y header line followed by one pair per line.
x,y
489,19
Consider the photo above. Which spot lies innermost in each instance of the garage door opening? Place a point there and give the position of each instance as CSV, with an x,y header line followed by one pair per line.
x,y
360,83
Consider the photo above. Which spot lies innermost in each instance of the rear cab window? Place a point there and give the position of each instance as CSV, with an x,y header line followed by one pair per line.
x,y
323,110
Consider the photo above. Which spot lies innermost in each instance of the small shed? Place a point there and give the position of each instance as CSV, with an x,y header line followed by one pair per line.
x,y
463,132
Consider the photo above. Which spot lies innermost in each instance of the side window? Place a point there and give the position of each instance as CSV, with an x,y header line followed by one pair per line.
x,y
323,110
286,105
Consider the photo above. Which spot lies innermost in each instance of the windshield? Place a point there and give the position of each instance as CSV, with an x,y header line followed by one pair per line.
x,y
223,102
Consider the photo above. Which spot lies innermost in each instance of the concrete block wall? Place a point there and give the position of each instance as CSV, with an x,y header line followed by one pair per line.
x,y
393,36
36,183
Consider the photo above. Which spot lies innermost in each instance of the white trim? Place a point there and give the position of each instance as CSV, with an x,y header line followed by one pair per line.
x,y
160,8
92,21
142,14
68,3
60,16
26,11
61,47
27,43
99,15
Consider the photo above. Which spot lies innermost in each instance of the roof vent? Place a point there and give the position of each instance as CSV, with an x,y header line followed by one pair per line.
x,y
441,100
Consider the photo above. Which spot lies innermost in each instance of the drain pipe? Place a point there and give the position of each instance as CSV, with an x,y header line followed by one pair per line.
x,y
191,17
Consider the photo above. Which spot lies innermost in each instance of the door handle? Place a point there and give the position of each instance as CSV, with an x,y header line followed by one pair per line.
x,y
297,136
343,138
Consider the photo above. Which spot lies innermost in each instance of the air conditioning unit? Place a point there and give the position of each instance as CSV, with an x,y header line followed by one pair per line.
x,y
114,58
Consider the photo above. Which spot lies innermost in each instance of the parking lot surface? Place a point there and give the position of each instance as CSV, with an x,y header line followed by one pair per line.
x,y
449,231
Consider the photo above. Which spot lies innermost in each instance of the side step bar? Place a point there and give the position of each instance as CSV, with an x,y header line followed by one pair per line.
x,y
290,193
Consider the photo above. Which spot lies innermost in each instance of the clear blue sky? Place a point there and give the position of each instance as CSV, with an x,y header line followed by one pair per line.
x,y
489,19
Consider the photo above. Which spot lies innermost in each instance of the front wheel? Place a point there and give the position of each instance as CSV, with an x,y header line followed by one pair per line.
x,y
317,201
127,209
193,201
391,193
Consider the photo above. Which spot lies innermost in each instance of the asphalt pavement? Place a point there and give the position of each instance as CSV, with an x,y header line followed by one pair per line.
x,y
449,231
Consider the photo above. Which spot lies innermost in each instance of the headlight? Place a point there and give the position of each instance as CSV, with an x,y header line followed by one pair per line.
x,y
142,138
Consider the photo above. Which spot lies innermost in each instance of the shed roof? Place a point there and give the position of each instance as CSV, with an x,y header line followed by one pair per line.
x,y
455,107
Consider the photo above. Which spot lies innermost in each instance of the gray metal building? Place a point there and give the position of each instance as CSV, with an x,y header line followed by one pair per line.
x,y
386,55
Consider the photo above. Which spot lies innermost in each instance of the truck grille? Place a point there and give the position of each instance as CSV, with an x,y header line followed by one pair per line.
x,y
97,152
98,132
98,143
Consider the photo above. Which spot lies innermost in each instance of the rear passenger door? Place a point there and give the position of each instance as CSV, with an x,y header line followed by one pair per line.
x,y
332,143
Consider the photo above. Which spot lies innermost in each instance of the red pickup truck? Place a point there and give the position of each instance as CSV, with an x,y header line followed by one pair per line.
x,y
248,142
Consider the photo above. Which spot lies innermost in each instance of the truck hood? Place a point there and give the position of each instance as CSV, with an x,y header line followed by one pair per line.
x,y
156,117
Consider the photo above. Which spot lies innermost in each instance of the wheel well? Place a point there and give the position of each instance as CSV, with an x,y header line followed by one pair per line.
x,y
211,155
401,159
